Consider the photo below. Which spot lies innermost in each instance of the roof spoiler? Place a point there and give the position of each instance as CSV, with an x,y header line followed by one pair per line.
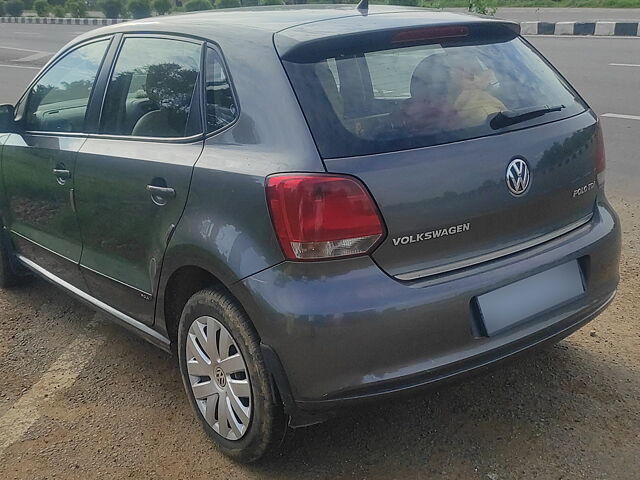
x,y
298,45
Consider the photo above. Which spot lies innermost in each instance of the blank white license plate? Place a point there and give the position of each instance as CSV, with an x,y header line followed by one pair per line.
x,y
512,304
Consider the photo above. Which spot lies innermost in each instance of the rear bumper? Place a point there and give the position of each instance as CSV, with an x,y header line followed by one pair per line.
x,y
344,331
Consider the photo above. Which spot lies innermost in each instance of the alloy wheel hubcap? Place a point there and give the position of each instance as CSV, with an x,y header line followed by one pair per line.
x,y
218,377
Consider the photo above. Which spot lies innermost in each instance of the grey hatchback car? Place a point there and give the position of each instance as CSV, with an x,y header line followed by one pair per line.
x,y
312,206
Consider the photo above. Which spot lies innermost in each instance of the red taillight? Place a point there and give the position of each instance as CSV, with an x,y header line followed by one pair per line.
x,y
430,33
322,216
600,157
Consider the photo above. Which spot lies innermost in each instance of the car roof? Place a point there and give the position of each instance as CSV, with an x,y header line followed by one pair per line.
x,y
235,24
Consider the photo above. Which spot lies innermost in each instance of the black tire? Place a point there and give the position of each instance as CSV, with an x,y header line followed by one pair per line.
x,y
10,273
267,426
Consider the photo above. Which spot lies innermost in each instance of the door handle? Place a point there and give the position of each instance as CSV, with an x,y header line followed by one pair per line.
x,y
62,175
164,192
160,195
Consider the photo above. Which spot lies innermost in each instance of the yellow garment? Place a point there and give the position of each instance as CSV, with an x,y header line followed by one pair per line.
x,y
474,106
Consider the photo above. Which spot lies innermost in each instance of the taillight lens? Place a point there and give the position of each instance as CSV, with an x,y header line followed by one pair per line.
x,y
322,216
600,157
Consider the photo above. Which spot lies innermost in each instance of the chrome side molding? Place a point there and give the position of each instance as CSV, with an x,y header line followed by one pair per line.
x,y
138,327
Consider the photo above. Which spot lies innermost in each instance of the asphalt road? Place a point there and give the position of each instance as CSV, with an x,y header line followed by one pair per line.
x,y
82,399
24,49
610,90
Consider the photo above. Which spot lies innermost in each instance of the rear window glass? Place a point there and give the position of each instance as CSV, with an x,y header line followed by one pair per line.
x,y
387,99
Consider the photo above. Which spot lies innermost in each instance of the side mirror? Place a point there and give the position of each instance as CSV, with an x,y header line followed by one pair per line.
x,y
7,118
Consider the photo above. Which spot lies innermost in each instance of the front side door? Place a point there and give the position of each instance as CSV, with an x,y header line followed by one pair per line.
x,y
38,164
132,179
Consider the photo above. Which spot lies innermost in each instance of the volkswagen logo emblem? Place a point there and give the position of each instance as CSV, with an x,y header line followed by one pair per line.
x,y
518,177
220,377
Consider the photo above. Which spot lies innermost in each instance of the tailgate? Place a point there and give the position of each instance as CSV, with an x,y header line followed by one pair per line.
x,y
449,206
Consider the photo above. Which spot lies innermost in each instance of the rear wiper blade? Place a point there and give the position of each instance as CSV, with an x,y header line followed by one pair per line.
x,y
511,117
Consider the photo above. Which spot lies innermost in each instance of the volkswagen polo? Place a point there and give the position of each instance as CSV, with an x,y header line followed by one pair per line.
x,y
312,206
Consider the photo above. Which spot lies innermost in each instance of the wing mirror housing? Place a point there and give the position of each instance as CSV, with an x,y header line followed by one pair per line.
x,y
7,119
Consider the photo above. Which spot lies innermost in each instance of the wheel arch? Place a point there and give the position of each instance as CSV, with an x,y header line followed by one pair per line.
x,y
186,271
180,286
182,283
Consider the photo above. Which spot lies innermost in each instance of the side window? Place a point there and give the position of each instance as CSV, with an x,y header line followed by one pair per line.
x,y
150,93
58,101
221,106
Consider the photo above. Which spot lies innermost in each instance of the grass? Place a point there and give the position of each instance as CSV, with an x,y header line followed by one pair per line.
x,y
463,4
510,3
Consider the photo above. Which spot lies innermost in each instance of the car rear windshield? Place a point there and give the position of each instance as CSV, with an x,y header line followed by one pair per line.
x,y
406,89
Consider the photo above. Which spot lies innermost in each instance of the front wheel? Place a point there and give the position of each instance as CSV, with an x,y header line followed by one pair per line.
x,y
225,378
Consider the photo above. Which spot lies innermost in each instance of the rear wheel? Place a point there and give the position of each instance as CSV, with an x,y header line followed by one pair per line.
x,y
225,378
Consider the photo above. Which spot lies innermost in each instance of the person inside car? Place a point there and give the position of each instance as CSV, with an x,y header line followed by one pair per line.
x,y
430,108
473,103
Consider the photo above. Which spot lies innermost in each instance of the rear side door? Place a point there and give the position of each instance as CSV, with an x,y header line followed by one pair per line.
x,y
133,176
39,163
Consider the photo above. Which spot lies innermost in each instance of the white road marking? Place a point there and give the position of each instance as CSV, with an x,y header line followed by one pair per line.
x,y
61,375
19,66
624,65
34,57
25,50
618,115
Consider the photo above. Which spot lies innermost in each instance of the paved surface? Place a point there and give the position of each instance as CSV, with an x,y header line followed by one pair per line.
x,y
26,48
82,399
609,89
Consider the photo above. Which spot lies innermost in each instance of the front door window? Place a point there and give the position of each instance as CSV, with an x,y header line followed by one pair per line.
x,y
58,101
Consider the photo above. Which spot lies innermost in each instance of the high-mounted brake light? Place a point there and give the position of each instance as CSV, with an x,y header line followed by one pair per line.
x,y
430,33
322,216
601,160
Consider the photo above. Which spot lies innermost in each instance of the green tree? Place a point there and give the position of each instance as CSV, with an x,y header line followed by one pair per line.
x,y
1,8
228,3
482,7
59,11
195,5
112,8
41,7
271,2
139,8
77,8
162,7
14,8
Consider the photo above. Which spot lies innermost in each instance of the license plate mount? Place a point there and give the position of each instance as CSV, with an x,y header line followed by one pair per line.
x,y
517,302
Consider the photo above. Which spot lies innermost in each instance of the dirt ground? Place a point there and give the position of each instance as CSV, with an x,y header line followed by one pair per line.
x,y
115,407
